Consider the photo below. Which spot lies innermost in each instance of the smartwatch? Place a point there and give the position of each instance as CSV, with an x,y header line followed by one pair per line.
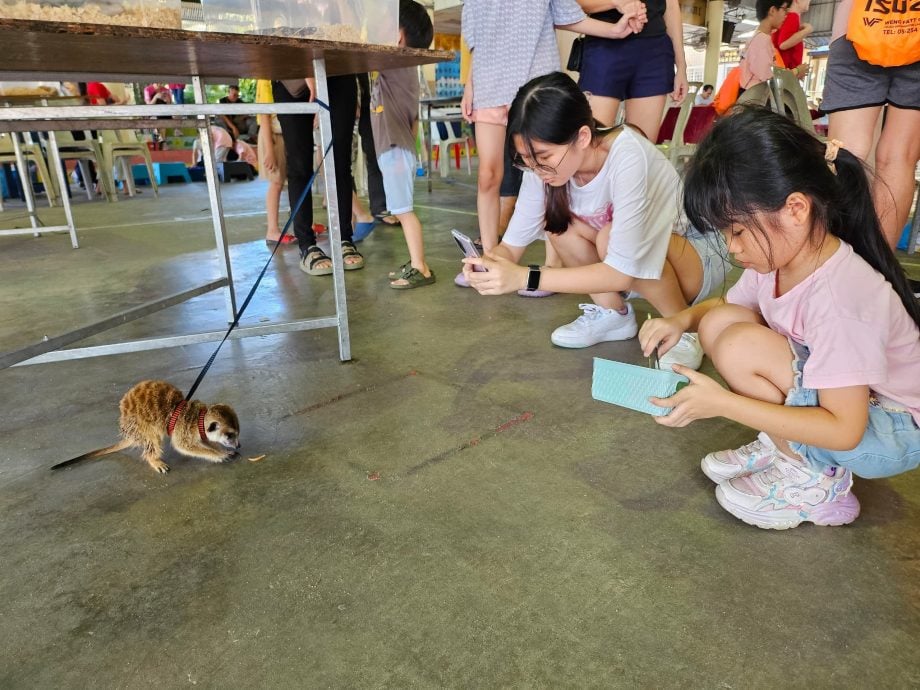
x,y
533,278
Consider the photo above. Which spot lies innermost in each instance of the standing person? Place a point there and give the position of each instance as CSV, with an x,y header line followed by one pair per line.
x,y
759,55
609,202
375,193
789,39
641,70
297,133
501,66
178,93
272,165
394,117
855,94
818,341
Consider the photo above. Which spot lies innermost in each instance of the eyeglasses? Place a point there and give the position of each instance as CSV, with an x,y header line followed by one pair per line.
x,y
519,163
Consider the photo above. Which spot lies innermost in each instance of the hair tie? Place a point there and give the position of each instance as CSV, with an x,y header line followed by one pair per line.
x,y
830,153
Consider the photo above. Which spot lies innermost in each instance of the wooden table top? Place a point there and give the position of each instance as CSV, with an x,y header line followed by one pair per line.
x,y
33,50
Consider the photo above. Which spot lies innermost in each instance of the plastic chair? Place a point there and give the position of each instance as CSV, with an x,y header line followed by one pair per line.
x,y
119,147
445,135
83,151
673,140
31,153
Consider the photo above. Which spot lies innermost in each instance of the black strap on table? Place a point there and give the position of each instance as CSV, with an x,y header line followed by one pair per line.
x,y
255,285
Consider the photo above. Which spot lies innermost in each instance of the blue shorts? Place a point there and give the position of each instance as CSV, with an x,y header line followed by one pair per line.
x,y
713,255
890,446
625,69
397,166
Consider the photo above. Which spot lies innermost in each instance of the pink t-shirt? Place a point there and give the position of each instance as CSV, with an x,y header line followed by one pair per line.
x,y
851,320
757,65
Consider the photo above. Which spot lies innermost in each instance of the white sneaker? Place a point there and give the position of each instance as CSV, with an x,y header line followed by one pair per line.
x,y
687,352
728,464
596,325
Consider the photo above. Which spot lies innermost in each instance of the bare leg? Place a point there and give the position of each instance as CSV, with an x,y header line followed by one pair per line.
x,y
412,230
490,142
358,212
272,204
605,109
579,246
646,114
895,161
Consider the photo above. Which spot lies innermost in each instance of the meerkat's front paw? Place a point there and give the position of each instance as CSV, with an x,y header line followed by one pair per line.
x,y
159,466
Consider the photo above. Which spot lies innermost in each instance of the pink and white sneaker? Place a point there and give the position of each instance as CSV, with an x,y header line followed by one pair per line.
x,y
790,492
728,464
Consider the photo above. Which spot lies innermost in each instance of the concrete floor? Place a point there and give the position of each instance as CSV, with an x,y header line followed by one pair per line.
x,y
519,533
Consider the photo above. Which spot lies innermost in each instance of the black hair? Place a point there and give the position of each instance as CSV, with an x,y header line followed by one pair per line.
x,y
762,7
551,109
707,86
752,160
416,24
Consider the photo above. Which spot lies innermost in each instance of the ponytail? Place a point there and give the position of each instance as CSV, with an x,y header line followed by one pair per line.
x,y
726,182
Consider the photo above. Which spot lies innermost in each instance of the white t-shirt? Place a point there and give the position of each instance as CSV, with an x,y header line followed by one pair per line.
x,y
637,192
851,320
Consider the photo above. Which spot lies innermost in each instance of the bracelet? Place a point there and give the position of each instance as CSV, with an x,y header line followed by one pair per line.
x,y
533,278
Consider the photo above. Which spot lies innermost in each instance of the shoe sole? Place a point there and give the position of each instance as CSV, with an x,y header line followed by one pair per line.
x,y
840,512
609,336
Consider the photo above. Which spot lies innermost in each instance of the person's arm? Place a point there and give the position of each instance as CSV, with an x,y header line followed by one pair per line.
x,y
229,126
266,142
594,6
675,29
633,16
794,39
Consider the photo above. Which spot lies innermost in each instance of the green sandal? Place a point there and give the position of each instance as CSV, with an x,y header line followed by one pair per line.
x,y
414,278
400,272
349,250
313,256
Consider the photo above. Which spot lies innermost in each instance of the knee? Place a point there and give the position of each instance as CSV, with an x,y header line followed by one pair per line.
x,y
718,323
490,178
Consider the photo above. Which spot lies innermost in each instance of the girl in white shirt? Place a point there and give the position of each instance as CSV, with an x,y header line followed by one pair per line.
x,y
610,204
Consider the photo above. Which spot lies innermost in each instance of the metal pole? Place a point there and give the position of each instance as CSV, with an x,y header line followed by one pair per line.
x,y
62,183
25,181
217,209
332,207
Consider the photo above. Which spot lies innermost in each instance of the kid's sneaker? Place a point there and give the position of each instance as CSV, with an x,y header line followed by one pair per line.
x,y
687,352
596,325
788,493
728,464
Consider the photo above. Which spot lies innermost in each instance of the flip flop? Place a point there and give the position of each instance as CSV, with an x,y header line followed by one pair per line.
x,y
287,239
362,230
388,219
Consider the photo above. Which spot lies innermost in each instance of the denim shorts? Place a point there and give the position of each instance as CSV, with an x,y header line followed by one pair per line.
x,y
890,446
397,166
628,68
714,256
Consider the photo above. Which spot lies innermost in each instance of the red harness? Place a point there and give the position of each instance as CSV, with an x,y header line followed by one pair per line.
x,y
174,418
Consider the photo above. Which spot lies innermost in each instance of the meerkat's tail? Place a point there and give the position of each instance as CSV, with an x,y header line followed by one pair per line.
x,y
121,445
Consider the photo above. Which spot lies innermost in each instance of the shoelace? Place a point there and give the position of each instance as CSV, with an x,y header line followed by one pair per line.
x,y
591,312
753,448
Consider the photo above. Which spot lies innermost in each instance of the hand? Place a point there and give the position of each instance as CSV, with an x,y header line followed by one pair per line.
x,y
680,86
802,70
702,399
466,103
660,333
311,87
503,276
807,28
632,21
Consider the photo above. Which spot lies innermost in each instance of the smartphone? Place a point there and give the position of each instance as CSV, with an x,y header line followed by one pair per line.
x,y
467,248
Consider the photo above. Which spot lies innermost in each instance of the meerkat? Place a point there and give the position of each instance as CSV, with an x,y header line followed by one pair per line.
x,y
152,409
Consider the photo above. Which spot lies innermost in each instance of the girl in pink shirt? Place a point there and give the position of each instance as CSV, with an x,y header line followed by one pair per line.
x,y
818,341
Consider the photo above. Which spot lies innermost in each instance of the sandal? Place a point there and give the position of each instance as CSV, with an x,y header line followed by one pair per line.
x,y
388,219
313,256
400,272
349,250
414,278
287,239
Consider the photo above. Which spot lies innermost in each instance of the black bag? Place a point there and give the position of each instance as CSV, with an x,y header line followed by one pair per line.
x,y
578,47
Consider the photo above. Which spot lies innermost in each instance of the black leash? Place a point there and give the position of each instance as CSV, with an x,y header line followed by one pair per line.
x,y
255,285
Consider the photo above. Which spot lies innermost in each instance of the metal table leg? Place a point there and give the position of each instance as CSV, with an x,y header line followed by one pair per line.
x,y
217,209
333,210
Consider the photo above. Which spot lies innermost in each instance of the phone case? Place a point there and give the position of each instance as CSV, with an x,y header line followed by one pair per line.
x,y
628,385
